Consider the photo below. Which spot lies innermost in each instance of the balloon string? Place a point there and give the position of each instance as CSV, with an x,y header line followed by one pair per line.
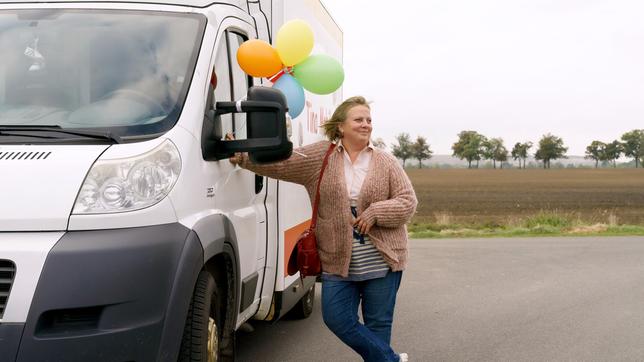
x,y
277,76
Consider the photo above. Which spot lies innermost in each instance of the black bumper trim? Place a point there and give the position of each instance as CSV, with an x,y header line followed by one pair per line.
x,y
10,340
135,283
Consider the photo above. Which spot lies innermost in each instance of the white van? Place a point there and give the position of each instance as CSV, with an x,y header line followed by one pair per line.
x,y
125,232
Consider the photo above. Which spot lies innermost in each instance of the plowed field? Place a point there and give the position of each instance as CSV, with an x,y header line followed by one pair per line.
x,y
495,196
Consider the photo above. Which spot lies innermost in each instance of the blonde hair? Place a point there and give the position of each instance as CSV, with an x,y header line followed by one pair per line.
x,y
331,126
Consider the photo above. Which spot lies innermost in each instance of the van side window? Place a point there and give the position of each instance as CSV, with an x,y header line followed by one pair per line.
x,y
231,82
241,81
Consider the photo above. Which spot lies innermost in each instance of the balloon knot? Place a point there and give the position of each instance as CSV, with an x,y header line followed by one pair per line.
x,y
277,76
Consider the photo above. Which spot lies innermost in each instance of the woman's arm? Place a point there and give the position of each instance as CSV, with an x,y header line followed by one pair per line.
x,y
299,168
397,210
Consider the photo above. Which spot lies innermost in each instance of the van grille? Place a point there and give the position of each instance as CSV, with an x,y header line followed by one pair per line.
x,y
23,156
7,273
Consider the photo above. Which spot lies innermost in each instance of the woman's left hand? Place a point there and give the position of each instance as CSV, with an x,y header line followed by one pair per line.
x,y
363,225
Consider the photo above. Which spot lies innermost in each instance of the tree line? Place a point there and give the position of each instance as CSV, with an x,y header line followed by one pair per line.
x,y
631,146
474,147
405,149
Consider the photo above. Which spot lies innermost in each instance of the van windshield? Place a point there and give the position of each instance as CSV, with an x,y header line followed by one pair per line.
x,y
124,72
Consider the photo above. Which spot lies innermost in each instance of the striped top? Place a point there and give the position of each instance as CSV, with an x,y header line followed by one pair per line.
x,y
366,264
366,261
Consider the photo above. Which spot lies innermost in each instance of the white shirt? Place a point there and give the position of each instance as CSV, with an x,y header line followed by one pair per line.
x,y
355,173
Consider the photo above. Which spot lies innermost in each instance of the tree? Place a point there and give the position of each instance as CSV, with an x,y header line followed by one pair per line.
x,y
420,150
520,152
515,152
469,146
612,152
550,148
501,154
596,151
403,149
379,143
633,145
487,153
495,150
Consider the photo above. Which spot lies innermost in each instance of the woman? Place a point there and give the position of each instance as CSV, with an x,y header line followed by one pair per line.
x,y
365,200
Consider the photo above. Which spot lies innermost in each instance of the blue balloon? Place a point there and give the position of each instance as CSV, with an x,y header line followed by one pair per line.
x,y
293,92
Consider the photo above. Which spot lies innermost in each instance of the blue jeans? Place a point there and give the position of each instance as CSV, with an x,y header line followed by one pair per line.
x,y
340,300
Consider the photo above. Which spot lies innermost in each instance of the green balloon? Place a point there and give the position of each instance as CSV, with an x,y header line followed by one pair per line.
x,y
319,74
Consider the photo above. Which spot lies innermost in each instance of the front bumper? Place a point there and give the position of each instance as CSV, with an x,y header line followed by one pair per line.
x,y
9,340
109,295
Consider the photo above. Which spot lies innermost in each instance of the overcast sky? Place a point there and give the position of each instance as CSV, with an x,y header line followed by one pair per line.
x,y
515,69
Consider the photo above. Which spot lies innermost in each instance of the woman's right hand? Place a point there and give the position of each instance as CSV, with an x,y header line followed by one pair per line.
x,y
236,159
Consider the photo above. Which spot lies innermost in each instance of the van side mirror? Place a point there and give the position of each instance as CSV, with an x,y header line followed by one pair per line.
x,y
267,140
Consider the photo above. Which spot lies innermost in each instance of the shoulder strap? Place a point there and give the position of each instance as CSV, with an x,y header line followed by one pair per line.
x,y
314,218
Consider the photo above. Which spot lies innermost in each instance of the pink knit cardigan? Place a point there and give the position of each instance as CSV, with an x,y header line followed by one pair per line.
x,y
387,200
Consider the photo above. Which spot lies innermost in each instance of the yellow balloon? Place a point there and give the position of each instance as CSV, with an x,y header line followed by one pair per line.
x,y
294,42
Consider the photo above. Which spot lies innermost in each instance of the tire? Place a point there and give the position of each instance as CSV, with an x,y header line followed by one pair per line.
x,y
304,306
202,333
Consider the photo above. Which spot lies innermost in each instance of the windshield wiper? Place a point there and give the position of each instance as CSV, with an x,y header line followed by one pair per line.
x,y
9,133
58,129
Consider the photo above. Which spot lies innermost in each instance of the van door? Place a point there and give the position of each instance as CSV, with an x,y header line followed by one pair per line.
x,y
243,192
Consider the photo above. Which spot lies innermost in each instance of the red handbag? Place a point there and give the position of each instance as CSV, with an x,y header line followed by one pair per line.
x,y
305,257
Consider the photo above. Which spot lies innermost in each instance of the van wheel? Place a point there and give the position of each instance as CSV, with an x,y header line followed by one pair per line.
x,y
304,306
201,334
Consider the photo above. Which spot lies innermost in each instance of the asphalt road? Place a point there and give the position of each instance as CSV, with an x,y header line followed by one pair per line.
x,y
532,299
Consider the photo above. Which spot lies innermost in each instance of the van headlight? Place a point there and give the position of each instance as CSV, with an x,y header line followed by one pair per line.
x,y
130,183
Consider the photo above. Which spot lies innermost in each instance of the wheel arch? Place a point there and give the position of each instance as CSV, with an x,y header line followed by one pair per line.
x,y
220,255
221,259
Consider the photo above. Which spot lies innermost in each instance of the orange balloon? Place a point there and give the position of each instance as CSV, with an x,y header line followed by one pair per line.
x,y
258,58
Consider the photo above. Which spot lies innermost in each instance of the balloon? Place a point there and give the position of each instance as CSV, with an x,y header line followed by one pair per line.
x,y
293,92
258,58
294,42
319,74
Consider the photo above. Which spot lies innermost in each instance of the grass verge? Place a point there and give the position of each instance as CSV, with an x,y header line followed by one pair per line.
x,y
541,224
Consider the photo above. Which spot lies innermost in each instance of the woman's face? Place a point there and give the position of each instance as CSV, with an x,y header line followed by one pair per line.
x,y
357,127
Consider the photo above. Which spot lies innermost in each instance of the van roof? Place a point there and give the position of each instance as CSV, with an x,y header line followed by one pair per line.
x,y
192,3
